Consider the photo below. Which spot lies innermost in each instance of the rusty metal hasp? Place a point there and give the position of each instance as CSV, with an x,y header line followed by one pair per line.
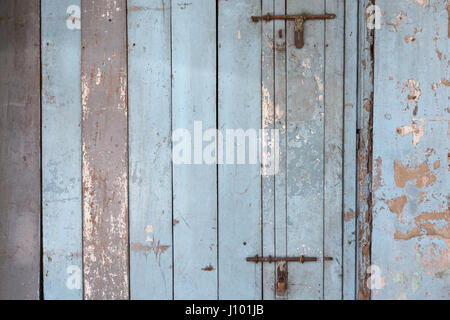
x,y
299,23
302,259
282,273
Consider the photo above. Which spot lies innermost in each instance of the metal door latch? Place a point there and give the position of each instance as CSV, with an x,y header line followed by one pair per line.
x,y
282,268
299,23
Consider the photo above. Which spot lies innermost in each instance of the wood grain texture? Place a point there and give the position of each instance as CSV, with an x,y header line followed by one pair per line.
x,y
61,152
105,151
305,152
411,216
149,86
333,149
239,185
349,178
20,200
195,184
364,157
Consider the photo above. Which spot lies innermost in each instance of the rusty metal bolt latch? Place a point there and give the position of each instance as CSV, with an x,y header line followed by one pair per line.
x,y
299,20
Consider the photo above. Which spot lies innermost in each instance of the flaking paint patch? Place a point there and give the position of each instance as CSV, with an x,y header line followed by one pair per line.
x,y
432,224
417,128
421,174
423,3
396,205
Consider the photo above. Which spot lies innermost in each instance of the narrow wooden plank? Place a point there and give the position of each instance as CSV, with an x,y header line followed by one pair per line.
x,y
149,87
350,114
239,185
104,147
61,149
20,199
333,136
411,216
195,184
305,152
268,148
364,159
280,125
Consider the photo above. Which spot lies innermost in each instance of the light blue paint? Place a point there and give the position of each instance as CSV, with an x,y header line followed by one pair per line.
x,y
350,178
267,122
280,124
333,150
61,152
239,185
305,157
414,265
150,204
194,185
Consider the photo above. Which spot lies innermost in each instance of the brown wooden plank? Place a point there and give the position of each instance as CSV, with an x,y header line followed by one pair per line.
x,y
104,147
19,149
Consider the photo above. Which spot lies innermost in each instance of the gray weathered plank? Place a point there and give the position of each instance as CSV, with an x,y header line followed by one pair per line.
x,y
149,87
104,148
20,199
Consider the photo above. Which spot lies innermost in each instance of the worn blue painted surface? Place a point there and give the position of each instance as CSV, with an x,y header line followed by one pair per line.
x,y
61,149
239,186
195,183
349,174
383,217
150,121
410,242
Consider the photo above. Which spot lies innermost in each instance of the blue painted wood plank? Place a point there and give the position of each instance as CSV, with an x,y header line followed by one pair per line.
x,y
150,118
20,197
280,125
268,149
61,149
350,178
333,149
195,184
239,185
410,241
305,157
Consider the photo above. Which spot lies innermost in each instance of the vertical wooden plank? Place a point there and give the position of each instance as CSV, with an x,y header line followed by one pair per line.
x,y
104,147
268,148
20,149
149,87
350,108
333,157
305,152
61,149
364,159
410,242
239,185
280,125
195,184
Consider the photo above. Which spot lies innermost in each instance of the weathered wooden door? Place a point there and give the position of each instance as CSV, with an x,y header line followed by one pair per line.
x,y
266,81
